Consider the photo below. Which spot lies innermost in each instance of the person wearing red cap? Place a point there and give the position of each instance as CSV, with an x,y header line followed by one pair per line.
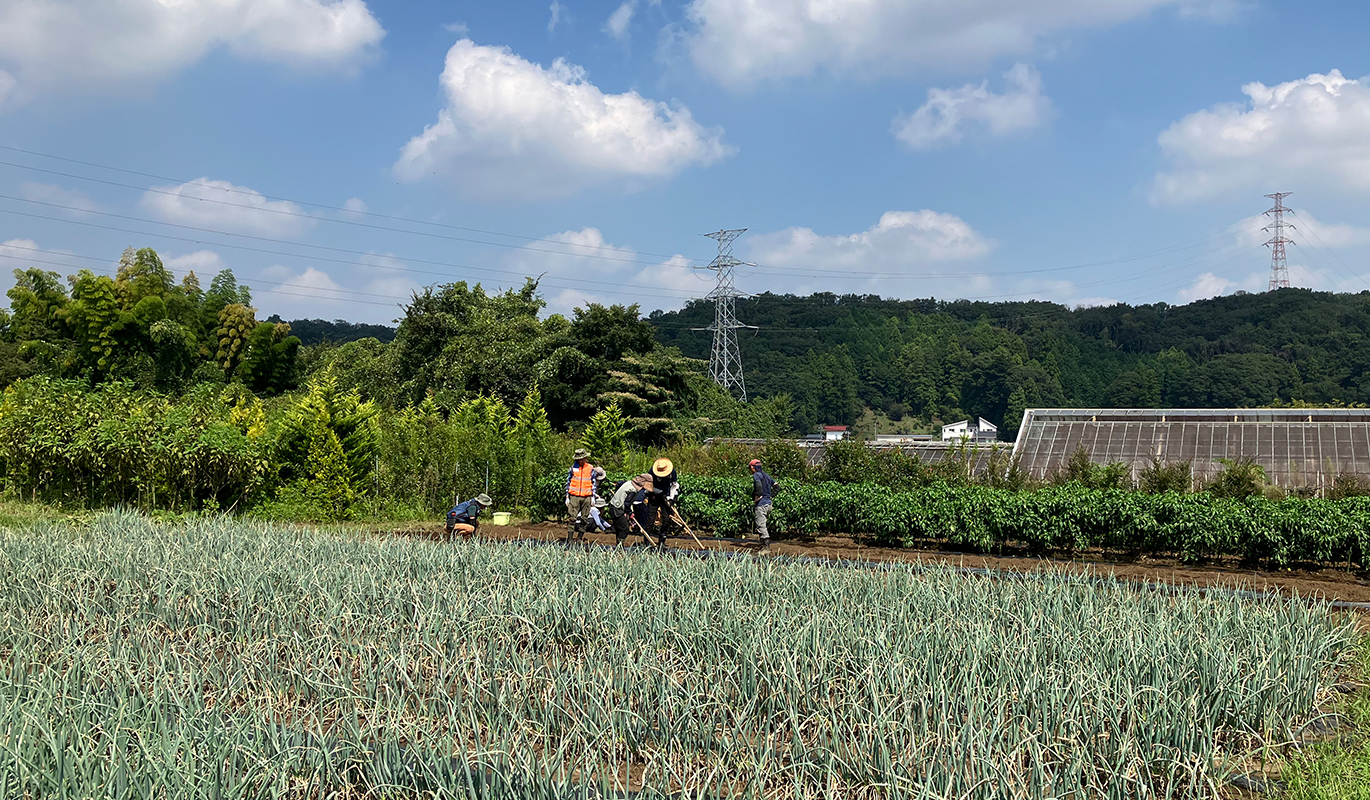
x,y
763,487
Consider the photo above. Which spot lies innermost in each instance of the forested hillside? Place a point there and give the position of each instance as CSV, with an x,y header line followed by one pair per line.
x,y
918,362
339,331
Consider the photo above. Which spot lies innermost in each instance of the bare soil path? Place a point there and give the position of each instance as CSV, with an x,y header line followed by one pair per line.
x,y
1310,581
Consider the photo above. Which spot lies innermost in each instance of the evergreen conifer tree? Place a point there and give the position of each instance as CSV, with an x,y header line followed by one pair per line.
x,y
606,437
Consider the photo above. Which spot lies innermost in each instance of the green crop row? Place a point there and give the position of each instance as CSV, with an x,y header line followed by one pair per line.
x,y
1056,519
223,660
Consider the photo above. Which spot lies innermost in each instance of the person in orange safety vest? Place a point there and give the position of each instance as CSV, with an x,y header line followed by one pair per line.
x,y
582,484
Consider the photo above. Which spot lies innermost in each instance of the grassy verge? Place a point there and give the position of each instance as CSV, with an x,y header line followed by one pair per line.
x,y
17,514
1338,770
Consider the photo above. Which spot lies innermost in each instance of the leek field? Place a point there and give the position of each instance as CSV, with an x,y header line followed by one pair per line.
x,y
223,659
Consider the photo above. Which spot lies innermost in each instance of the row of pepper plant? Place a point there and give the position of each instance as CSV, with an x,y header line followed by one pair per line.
x,y
1066,518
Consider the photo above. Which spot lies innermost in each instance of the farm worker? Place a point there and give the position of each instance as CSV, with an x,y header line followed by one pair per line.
x,y
661,498
463,518
597,514
763,487
620,511
582,481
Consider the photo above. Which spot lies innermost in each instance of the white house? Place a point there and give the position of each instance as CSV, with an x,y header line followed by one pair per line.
x,y
901,438
832,433
980,431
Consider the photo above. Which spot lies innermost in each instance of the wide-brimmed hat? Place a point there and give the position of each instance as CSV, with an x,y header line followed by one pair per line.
x,y
580,453
662,467
644,480
484,499
600,502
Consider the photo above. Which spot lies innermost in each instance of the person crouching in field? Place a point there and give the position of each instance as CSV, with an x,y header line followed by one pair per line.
x,y
620,511
660,505
582,483
763,488
464,518
598,523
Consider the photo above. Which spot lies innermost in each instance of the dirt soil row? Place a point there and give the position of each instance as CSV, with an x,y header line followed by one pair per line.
x,y
1325,582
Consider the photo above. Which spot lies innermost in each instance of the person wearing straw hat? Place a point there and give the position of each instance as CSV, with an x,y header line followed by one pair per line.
x,y
582,484
661,498
464,518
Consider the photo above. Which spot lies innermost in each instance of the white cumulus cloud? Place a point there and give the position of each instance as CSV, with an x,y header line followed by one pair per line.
x,y
1313,131
515,128
19,254
900,241
1205,286
88,42
581,267
71,201
311,293
1305,227
204,263
355,207
948,112
220,205
739,42
617,24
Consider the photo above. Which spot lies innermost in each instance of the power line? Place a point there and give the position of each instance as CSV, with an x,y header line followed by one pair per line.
x,y
1056,310
618,286
312,294
657,294
1350,276
321,206
782,270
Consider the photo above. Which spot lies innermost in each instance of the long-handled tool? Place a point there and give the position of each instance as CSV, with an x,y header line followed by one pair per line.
x,y
646,539
679,520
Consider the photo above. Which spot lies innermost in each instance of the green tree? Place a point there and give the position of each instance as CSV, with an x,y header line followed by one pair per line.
x,y
533,444
36,299
236,324
342,412
328,487
97,320
484,451
611,333
827,393
174,354
1134,389
268,359
141,275
606,437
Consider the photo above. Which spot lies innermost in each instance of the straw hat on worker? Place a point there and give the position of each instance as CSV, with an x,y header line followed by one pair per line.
x,y
662,467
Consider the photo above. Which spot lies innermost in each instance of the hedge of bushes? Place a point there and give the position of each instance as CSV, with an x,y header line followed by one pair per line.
x,y
1056,519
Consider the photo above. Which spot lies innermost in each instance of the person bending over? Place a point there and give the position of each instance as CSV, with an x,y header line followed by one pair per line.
x,y
660,504
620,510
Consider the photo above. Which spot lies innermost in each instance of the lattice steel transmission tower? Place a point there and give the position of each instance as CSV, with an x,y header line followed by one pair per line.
x,y
1279,267
725,363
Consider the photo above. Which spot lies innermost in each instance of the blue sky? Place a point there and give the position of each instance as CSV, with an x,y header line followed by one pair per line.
x,y
338,154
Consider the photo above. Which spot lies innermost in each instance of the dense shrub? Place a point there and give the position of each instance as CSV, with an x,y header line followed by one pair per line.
x,y
1061,518
1158,477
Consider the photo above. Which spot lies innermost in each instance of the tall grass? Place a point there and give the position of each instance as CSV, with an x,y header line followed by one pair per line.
x,y
220,659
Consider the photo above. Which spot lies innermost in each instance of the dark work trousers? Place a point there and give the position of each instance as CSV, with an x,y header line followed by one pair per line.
x,y
621,522
658,511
